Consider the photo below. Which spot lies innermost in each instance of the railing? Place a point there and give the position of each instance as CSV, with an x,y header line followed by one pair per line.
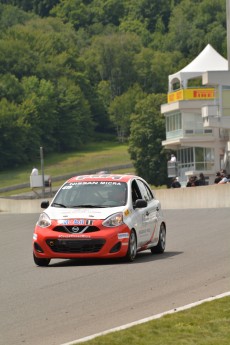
x,y
180,169
196,166
174,134
180,133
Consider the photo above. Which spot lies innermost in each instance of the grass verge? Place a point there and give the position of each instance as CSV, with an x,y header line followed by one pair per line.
x,y
94,156
206,324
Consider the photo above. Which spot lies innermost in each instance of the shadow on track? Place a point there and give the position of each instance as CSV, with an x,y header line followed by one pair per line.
x,y
141,258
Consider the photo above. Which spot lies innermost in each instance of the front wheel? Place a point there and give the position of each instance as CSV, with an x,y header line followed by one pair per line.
x,y
132,248
41,262
160,247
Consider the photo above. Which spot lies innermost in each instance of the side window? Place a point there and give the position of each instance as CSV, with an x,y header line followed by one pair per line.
x,y
150,194
145,191
136,194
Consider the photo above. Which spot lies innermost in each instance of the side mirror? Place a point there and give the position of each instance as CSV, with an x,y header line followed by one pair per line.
x,y
140,203
45,204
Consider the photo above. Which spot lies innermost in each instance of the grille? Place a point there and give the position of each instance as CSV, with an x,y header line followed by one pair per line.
x,y
74,229
76,246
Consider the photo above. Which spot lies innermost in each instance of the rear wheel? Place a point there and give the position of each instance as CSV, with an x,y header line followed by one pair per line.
x,y
160,247
132,248
41,262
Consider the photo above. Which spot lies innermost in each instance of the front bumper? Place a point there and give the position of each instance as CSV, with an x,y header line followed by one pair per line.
x,y
107,242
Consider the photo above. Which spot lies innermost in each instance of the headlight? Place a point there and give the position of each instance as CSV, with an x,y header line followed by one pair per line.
x,y
114,220
44,221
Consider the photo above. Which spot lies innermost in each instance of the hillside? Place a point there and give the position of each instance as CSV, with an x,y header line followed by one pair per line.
x,y
72,71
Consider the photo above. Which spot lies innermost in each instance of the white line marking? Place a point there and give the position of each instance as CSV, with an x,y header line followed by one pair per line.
x,y
157,316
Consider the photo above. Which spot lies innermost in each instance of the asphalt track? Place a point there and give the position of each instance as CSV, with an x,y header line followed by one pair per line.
x,y
73,299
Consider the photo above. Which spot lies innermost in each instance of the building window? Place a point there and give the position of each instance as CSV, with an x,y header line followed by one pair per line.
x,y
173,122
185,156
195,158
173,125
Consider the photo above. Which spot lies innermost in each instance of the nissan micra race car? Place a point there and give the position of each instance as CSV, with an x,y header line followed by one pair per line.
x,y
99,216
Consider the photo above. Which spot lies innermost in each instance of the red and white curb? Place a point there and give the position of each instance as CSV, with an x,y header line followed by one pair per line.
x,y
157,316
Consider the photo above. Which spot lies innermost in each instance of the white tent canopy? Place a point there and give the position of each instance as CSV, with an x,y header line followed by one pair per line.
x,y
208,60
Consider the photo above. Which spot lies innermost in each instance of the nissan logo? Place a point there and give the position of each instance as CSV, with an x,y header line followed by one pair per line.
x,y
75,229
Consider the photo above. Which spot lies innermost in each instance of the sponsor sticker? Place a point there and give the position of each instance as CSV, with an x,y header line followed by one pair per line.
x,y
75,222
81,183
78,222
74,236
144,232
123,235
63,221
111,183
113,177
126,213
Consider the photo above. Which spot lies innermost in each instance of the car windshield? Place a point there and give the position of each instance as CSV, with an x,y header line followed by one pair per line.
x,y
91,194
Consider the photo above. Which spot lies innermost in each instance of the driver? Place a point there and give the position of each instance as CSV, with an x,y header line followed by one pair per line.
x,y
118,195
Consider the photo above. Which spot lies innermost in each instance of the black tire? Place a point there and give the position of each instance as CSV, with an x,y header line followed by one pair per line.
x,y
160,247
132,248
41,262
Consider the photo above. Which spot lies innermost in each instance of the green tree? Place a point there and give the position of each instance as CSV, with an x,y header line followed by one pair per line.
x,y
104,93
148,12
107,11
47,48
75,125
16,57
121,108
39,106
10,16
110,58
145,143
153,67
72,11
10,88
192,23
40,7
28,114
137,27
13,136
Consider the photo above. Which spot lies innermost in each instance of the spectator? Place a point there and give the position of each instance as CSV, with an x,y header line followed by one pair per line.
x,y
218,177
192,182
201,181
173,158
175,183
224,178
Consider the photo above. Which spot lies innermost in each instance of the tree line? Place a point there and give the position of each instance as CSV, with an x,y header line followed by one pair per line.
x,y
73,69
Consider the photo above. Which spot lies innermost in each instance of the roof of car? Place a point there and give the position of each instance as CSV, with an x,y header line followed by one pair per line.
x,y
107,177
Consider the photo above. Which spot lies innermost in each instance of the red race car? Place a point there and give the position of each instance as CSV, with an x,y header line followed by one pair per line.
x,y
99,216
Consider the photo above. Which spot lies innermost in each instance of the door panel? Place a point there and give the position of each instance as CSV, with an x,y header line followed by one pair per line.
x,y
150,214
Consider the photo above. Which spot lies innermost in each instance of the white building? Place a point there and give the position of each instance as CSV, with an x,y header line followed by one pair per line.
x,y
197,116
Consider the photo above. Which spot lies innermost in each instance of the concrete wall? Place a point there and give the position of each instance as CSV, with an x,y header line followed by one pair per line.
x,y
214,196
20,206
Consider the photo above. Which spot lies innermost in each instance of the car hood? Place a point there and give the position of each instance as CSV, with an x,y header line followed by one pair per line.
x,y
84,213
